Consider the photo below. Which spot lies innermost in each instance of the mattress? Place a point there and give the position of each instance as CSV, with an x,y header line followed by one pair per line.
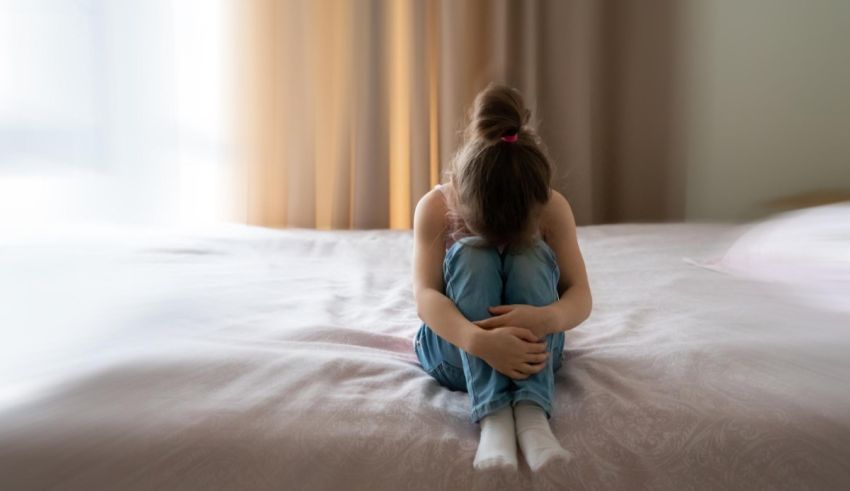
x,y
237,357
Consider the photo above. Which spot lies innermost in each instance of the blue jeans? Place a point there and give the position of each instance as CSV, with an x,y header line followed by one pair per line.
x,y
477,278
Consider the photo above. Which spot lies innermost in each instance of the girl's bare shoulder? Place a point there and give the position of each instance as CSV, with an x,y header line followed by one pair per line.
x,y
430,211
557,213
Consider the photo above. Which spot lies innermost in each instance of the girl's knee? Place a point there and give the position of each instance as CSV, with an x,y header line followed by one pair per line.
x,y
531,276
468,255
532,260
473,279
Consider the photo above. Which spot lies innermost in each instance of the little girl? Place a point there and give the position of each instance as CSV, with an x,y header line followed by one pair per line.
x,y
498,278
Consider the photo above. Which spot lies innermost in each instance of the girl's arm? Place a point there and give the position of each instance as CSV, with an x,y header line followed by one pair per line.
x,y
575,301
433,307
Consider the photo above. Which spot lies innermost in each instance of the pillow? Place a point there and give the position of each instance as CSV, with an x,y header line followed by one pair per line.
x,y
806,250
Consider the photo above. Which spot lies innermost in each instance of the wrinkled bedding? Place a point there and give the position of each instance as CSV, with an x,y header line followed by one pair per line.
x,y
236,357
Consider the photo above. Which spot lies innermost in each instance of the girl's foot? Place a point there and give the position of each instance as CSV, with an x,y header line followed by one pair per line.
x,y
538,444
497,446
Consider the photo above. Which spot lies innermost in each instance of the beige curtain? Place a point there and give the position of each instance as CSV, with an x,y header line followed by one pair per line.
x,y
352,108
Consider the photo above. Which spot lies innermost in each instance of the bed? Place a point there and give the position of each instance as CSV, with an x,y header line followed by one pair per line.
x,y
237,357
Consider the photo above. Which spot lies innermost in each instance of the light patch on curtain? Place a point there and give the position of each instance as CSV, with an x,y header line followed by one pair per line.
x,y
399,41
344,109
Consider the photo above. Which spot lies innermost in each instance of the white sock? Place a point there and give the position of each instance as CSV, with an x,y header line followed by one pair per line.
x,y
538,444
497,446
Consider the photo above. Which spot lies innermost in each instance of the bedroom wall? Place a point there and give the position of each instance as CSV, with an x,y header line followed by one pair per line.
x,y
765,104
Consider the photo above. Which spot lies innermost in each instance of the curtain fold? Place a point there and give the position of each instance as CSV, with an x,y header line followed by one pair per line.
x,y
354,108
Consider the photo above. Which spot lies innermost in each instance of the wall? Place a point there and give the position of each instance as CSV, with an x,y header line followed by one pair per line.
x,y
765,103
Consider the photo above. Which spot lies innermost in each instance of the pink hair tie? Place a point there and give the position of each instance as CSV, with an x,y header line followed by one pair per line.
x,y
510,138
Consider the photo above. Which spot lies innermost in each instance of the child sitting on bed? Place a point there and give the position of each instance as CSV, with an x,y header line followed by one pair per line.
x,y
498,278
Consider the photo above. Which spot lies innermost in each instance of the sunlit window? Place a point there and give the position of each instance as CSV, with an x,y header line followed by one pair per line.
x,y
114,110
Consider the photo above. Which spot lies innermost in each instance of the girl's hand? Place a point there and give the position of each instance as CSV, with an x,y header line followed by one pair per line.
x,y
512,351
538,320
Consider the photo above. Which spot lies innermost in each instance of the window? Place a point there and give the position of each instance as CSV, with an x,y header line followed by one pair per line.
x,y
115,110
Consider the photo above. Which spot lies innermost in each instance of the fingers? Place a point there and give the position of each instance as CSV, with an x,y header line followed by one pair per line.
x,y
534,347
497,321
525,334
538,347
526,370
500,309
537,357
532,368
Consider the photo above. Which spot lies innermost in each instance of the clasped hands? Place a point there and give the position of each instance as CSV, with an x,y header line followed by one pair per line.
x,y
513,340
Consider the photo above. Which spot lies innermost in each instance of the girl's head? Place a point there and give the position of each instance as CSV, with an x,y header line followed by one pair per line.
x,y
500,174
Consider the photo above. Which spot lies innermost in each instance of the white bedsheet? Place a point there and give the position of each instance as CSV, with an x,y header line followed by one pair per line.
x,y
240,357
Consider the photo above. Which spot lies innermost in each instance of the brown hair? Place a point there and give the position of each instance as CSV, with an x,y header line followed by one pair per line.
x,y
499,184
